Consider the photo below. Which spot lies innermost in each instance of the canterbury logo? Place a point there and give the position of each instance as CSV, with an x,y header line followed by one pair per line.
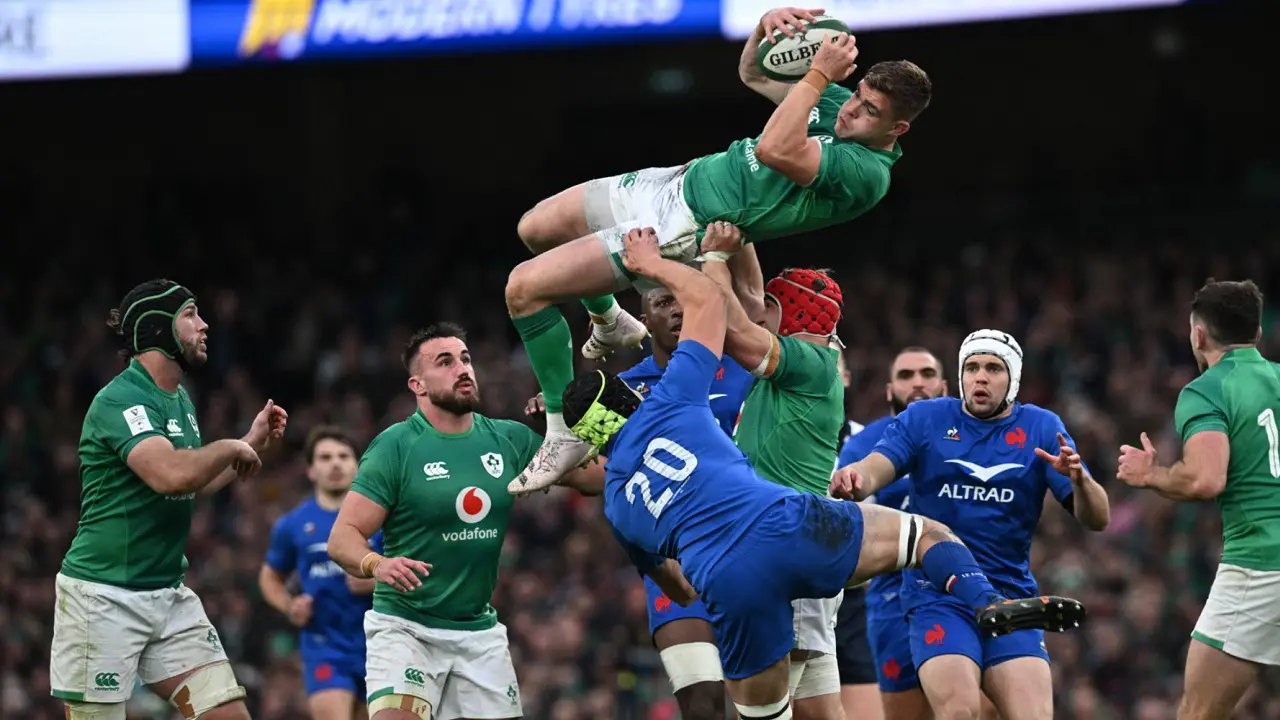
x,y
435,469
985,473
107,680
414,675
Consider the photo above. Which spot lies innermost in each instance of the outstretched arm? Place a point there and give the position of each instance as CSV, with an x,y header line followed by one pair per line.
x,y
748,281
1201,474
753,347
704,304
862,479
773,20
785,145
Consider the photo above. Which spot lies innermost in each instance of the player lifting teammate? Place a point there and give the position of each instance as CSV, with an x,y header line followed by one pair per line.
x,y
122,612
973,466
435,484
330,610
1231,454
789,427
666,500
682,634
823,158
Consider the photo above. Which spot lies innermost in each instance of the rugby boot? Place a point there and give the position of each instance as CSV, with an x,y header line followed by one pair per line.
x,y
561,452
1054,614
609,337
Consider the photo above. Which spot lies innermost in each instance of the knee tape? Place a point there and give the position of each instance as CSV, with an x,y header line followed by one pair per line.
x,y
406,703
821,676
94,711
691,663
205,689
909,532
780,710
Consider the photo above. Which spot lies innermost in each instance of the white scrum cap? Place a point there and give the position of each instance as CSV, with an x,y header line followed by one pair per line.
x,y
1003,346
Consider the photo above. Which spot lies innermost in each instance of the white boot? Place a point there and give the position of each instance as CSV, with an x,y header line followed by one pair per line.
x,y
613,331
560,454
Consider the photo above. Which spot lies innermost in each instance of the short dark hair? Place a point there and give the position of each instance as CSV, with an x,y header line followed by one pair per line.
x,y
616,395
1231,310
907,86
916,349
327,432
115,317
431,332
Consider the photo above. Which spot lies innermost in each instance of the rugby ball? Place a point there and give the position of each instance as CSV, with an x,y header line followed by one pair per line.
x,y
787,59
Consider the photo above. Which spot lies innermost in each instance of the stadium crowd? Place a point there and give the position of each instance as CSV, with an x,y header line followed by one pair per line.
x,y
318,327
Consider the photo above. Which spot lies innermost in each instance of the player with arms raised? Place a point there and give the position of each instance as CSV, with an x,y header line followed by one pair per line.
x,y
683,634
749,552
435,484
789,427
823,158
973,465
122,612
330,609
1231,454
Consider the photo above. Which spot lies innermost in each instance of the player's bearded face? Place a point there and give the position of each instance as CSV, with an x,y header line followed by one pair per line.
x,y
986,382
193,336
915,376
446,376
333,466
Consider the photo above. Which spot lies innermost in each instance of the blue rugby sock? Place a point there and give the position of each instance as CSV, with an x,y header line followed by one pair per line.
x,y
951,568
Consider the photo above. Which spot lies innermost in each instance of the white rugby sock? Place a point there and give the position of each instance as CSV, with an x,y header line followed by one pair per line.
x,y
608,317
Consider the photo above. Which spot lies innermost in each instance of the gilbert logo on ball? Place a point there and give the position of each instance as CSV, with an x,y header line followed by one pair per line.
x,y
473,505
787,59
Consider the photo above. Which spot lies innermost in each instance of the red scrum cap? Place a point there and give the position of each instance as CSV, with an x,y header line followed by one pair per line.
x,y
810,302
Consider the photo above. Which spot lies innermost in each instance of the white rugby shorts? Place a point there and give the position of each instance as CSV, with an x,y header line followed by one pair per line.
x,y
1242,615
462,673
653,197
105,638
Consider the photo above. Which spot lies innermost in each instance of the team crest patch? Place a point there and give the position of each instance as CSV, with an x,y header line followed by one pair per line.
x,y
492,463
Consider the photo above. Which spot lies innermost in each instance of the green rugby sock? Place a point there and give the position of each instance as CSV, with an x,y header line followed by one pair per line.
x,y
549,342
600,305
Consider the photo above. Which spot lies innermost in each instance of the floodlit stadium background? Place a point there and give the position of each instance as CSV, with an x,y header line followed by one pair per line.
x,y
1075,179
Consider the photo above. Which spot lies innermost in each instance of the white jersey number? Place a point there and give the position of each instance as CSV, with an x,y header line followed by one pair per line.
x,y
1267,419
640,482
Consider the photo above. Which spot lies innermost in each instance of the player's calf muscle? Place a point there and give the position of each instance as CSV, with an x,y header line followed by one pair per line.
x,y
701,701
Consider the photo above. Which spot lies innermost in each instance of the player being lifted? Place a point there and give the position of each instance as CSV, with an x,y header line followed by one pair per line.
x,y
973,465
665,498
435,484
1231,454
330,610
789,427
823,158
915,374
122,612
